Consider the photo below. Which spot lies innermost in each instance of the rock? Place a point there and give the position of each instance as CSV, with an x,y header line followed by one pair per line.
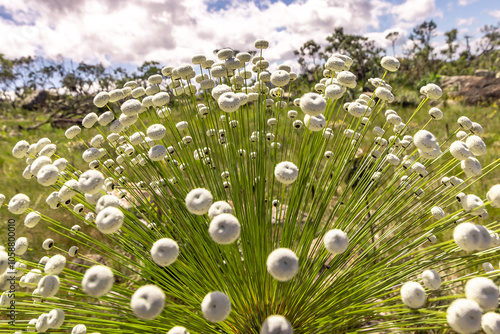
x,y
484,73
471,89
34,100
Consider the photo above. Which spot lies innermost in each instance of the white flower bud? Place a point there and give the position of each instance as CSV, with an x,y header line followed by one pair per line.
x,y
178,330
147,302
219,207
106,118
56,264
493,195
48,175
198,201
286,172
97,281
21,246
490,322
413,295
282,264
469,237
471,167
276,324
389,63
20,149
101,99
483,291
431,279
432,91
476,145
312,104
464,316
336,241
109,220
116,95
280,78
436,113
18,204
160,99
164,252
465,122
487,267
216,306
476,129
72,132
229,102
91,182
347,79
438,213
157,153
224,229
42,323
31,220
315,123
47,245
56,318
79,329
425,141
48,286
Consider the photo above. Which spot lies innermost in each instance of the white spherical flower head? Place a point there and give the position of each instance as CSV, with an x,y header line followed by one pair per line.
x,y
336,241
56,318
471,167
219,90
107,201
156,131
315,123
389,63
218,208
483,291
101,99
20,149
384,94
55,265
79,329
106,118
21,246
280,78
464,316
198,201
431,279
42,323
89,120
97,281
465,122
147,302
312,104
286,172
109,220
490,322
91,182
468,237
224,229
48,286
73,131
157,153
261,44
18,204
131,107
229,102
347,79
48,244
438,213
413,295
276,324
160,99
334,91
4,261
335,64
47,175
282,264
432,91
460,151
425,141
493,195
476,145
178,330
216,306
164,252
436,113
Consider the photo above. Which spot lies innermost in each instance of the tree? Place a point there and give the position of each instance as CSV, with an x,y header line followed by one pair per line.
x,y
490,40
309,57
393,36
451,45
363,51
421,38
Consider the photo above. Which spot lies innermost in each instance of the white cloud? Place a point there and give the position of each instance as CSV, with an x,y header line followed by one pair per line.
x,y
465,22
170,31
466,2
495,13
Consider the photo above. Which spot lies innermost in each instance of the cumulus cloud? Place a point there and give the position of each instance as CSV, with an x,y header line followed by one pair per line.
x,y
465,2
495,13
466,22
170,31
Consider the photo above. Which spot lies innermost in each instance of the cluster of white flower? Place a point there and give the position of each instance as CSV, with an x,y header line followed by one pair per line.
x,y
150,185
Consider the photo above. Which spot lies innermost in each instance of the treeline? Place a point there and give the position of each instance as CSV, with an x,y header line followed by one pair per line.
x,y
68,87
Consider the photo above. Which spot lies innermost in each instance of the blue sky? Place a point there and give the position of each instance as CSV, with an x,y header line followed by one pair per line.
x,y
117,32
